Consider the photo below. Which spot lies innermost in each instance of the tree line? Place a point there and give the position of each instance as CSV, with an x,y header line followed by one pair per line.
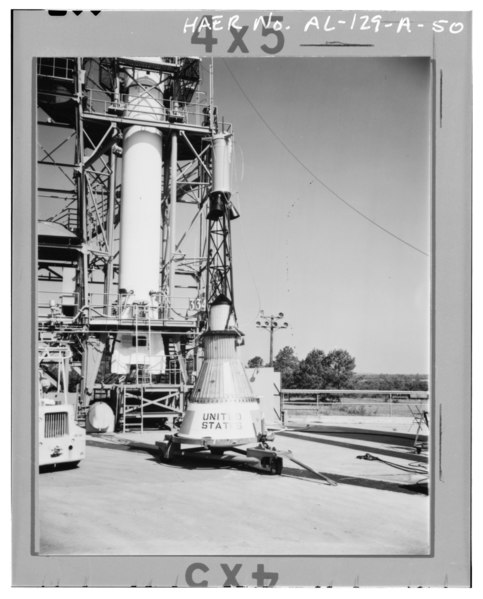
x,y
334,370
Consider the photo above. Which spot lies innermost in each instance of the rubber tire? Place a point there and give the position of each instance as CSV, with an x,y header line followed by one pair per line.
x,y
265,462
276,466
218,452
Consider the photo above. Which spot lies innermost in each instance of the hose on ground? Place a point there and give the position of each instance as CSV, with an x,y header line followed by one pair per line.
x,y
410,468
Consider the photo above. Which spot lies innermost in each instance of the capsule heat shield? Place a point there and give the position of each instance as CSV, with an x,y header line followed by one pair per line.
x,y
222,410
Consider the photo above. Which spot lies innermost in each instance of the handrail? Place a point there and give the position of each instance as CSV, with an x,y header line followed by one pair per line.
x,y
348,391
161,307
171,110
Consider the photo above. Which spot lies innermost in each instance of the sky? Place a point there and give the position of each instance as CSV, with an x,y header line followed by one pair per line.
x,y
360,127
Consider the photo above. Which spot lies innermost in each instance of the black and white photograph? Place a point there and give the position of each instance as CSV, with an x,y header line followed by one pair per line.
x,y
234,284
234,256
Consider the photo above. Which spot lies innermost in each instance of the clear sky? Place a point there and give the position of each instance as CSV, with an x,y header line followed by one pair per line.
x,y
362,127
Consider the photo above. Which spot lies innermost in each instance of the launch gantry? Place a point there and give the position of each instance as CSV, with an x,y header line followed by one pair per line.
x,y
134,216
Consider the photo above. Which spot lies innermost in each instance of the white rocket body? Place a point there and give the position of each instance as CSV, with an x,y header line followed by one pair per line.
x,y
141,226
140,245
140,232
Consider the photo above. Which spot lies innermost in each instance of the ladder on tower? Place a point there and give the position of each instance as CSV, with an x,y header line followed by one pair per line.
x,y
143,370
176,369
132,409
147,371
133,398
181,362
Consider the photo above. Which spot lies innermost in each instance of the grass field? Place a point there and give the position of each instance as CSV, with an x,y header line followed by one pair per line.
x,y
368,406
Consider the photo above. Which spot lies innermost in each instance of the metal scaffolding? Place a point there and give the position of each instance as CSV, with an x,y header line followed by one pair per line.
x,y
82,119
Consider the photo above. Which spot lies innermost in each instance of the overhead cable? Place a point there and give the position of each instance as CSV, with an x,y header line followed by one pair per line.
x,y
312,174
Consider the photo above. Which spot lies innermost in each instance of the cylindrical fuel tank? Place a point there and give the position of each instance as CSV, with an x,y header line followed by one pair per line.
x,y
142,167
140,230
222,410
222,147
100,418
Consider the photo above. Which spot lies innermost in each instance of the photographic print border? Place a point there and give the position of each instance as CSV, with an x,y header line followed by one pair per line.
x,y
38,33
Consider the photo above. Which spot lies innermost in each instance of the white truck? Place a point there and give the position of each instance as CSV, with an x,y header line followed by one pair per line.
x,y
61,440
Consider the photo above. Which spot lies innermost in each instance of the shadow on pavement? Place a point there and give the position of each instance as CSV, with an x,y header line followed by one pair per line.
x,y
206,462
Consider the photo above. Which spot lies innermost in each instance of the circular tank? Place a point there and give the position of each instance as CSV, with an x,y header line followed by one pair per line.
x,y
100,418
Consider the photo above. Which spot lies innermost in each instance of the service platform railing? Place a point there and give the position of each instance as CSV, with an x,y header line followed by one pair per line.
x,y
364,407
354,403
57,305
117,308
150,108
161,307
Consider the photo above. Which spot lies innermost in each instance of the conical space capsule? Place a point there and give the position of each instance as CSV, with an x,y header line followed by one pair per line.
x,y
222,410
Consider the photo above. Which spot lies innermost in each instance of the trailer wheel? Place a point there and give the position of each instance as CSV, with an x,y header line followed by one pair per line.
x,y
276,466
217,451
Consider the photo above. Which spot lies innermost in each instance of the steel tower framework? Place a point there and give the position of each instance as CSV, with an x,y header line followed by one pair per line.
x,y
82,119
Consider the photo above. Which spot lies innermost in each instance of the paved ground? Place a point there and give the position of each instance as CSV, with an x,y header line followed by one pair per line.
x,y
128,502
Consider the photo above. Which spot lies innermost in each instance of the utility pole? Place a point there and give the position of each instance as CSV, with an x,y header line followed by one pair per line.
x,y
271,323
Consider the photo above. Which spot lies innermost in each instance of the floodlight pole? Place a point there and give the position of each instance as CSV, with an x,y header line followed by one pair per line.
x,y
271,323
271,347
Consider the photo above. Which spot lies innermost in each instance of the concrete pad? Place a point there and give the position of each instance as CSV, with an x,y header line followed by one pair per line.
x,y
129,503
339,457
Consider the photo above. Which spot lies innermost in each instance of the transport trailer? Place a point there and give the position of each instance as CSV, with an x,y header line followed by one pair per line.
x,y
222,412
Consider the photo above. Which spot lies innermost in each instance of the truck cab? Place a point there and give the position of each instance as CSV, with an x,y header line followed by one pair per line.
x,y
61,440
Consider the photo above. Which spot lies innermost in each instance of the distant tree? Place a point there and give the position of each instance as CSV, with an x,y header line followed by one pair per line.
x,y
287,363
256,362
420,383
325,371
387,382
338,369
311,373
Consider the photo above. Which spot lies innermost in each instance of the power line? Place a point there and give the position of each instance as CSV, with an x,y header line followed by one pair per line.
x,y
312,174
242,231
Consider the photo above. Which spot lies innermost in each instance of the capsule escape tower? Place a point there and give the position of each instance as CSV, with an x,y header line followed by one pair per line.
x,y
134,243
